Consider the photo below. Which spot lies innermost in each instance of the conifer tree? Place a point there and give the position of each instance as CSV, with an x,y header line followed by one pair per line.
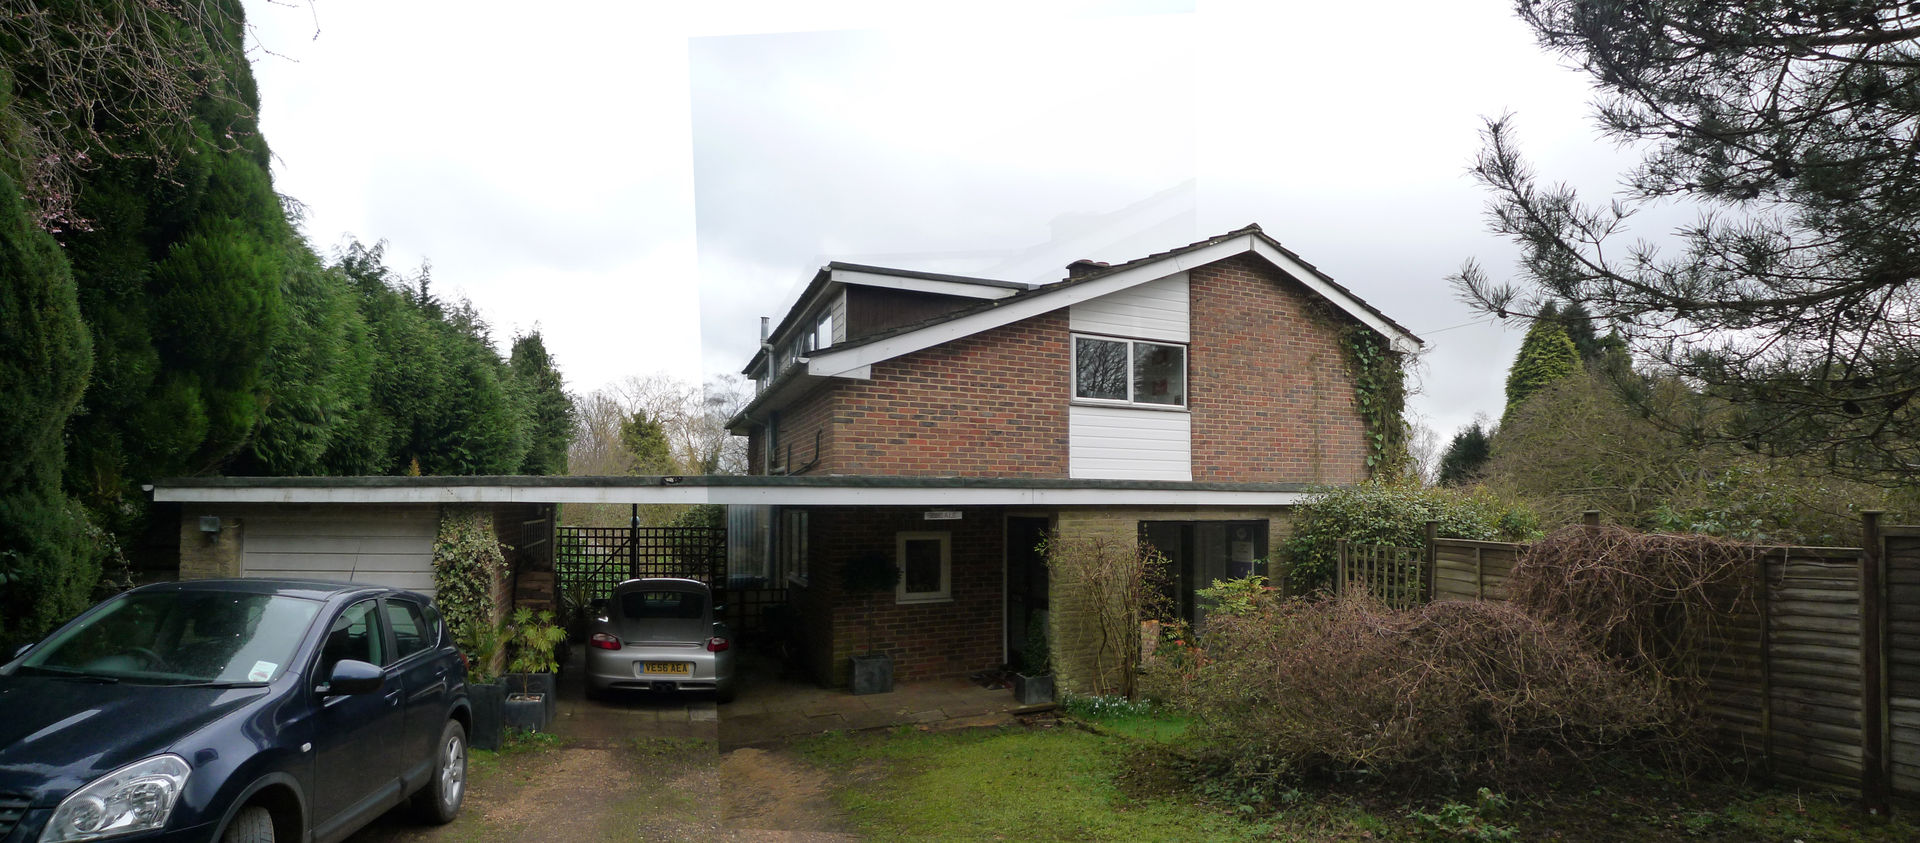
x,y
1466,456
1545,356
550,412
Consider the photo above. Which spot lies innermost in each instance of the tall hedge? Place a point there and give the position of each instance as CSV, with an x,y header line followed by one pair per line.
x,y
48,560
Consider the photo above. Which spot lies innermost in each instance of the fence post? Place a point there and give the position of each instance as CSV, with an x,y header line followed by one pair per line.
x,y
1590,518
1429,559
1764,603
1873,688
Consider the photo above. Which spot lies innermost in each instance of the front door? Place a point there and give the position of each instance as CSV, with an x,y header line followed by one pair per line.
x,y
1026,584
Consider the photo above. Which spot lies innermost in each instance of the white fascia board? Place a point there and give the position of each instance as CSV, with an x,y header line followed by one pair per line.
x,y
828,362
921,285
735,495
1400,340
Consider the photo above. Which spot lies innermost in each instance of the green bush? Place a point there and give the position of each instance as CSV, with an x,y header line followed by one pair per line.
x,y
1392,513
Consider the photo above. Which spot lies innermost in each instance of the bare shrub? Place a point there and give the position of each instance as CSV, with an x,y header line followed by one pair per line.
x,y
1292,688
1656,605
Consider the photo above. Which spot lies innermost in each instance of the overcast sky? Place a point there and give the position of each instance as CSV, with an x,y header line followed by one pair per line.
x,y
640,181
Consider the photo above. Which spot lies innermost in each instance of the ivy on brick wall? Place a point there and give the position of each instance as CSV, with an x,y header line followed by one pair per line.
x,y
1380,392
467,560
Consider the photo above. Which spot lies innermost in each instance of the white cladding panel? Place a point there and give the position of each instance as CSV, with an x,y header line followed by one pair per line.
x,y
1117,443
382,547
1156,310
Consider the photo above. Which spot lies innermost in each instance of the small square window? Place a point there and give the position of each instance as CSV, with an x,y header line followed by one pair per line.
x,y
926,567
1129,371
1100,369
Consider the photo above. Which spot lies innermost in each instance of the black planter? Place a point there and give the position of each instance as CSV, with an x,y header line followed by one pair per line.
x,y
527,712
1033,690
872,674
546,685
489,715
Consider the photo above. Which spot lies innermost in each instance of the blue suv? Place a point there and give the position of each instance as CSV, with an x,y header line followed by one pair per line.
x,y
243,711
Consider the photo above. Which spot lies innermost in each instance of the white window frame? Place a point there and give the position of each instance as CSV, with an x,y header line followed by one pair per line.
x,y
945,594
1186,373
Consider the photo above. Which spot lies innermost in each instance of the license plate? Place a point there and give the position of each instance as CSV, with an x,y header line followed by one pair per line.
x,y
666,668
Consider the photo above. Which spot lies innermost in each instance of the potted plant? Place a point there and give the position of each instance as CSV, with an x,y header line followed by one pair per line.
x,y
482,644
532,670
1033,683
867,574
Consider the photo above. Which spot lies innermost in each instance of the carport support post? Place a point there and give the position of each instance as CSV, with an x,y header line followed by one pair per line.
x,y
633,542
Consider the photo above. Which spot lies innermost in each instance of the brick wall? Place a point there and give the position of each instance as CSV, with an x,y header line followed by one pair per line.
x,y
1271,397
1074,633
927,640
209,557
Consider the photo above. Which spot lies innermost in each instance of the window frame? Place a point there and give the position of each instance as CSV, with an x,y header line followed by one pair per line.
x,y
945,593
1132,399
791,545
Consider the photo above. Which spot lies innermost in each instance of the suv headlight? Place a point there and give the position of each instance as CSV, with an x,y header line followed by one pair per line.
x,y
137,797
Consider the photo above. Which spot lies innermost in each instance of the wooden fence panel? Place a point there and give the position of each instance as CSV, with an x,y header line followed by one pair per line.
x,y
1473,570
1786,675
1902,553
1396,576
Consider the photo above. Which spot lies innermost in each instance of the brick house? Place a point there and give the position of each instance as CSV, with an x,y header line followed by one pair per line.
x,y
1188,397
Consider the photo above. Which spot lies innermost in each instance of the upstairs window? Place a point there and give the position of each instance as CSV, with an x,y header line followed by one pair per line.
x,y
1129,371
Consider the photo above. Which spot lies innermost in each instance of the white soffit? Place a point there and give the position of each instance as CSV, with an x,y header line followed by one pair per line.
x,y
921,285
1401,340
740,495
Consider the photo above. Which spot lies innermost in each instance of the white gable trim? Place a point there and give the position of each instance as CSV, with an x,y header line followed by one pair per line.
x,y
1401,340
921,285
831,363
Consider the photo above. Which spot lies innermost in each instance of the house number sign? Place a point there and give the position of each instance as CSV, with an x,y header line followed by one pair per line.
x,y
943,515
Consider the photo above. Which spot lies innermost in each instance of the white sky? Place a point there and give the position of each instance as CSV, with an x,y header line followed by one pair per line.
x,y
642,181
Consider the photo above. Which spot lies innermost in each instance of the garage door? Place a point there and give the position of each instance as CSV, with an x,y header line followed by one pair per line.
x,y
386,547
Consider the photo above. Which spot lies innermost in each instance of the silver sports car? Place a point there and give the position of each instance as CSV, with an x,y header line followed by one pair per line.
x,y
660,634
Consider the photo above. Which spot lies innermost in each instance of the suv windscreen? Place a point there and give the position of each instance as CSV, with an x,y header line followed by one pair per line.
x,y
181,636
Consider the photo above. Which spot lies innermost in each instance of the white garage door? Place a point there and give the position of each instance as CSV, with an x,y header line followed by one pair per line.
x,y
383,547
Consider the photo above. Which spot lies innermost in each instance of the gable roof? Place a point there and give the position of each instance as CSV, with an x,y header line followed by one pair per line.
x,y
851,359
1003,303
843,274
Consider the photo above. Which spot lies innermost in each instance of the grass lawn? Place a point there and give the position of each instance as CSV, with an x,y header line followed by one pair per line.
x,y
1118,780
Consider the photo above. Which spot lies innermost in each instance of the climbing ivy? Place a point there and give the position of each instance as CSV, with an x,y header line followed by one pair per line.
x,y
1380,392
467,560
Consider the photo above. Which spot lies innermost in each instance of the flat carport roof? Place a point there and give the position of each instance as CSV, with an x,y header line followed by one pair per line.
x,y
726,490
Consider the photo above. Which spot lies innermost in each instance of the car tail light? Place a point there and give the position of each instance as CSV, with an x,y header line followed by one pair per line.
x,y
718,645
603,641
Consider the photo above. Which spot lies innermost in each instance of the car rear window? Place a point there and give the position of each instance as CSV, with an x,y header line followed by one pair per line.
x,y
644,605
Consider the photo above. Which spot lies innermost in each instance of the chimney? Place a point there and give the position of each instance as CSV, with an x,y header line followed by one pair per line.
x,y
764,328
1084,266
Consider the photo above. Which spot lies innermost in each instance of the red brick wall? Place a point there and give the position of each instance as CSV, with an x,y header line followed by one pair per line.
x,y
927,640
990,405
1271,397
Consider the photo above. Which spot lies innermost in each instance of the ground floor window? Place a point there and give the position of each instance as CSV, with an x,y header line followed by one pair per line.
x,y
1199,552
926,567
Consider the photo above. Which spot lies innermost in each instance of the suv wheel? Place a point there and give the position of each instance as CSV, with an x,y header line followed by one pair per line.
x,y
252,825
439,801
